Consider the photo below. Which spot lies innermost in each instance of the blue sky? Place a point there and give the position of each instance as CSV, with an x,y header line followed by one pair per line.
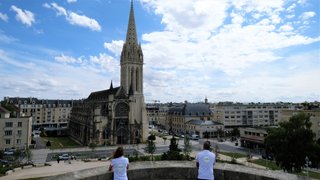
x,y
226,50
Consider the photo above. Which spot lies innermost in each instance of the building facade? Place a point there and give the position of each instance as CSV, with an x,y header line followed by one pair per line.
x,y
15,131
204,128
156,114
251,114
116,115
46,114
314,118
252,138
179,115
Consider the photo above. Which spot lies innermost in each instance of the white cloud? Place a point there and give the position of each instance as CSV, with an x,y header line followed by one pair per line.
x,y
106,62
60,10
24,16
115,46
74,18
286,28
203,40
3,17
307,15
84,21
67,59
71,1
5,38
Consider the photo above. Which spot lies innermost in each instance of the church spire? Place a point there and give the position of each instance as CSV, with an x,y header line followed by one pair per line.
x,y
131,32
111,85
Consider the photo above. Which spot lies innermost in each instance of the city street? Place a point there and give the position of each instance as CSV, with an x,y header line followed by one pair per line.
x,y
41,156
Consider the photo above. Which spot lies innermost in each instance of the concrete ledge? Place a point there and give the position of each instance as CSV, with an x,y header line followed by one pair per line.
x,y
17,169
27,167
157,170
9,172
39,165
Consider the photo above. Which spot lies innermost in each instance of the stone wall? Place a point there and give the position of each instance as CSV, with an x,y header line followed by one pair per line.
x,y
180,170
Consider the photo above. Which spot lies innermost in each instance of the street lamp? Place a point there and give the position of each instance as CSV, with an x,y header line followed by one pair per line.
x,y
308,162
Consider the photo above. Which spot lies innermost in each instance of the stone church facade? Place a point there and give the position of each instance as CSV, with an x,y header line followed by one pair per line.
x,y
116,115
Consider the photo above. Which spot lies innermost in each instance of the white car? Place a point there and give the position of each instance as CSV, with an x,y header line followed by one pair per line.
x,y
65,157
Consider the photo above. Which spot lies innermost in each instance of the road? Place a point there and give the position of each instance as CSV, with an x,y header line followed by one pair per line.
x,y
46,155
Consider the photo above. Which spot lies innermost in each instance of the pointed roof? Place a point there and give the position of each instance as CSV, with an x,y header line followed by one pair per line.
x,y
111,85
131,32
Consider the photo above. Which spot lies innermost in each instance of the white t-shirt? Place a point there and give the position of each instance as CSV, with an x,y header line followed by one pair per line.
x,y
206,160
120,168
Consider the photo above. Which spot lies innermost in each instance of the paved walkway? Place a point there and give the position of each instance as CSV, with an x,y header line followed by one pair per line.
x,y
39,157
54,169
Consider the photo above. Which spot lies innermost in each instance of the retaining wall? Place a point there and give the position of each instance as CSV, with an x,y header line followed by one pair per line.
x,y
167,170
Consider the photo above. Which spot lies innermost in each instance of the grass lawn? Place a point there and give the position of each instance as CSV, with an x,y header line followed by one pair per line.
x,y
60,142
312,174
232,154
266,163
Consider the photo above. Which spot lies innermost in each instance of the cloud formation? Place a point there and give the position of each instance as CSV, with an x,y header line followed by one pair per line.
x,y
225,39
115,46
71,1
24,16
4,17
74,18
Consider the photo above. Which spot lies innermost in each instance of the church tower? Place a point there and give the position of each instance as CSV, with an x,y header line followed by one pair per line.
x,y
132,60
132,80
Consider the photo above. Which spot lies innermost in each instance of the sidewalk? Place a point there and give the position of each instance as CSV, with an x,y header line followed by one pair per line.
x,y
54,169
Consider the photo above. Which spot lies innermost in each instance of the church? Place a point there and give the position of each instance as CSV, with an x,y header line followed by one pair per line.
x,y
116,115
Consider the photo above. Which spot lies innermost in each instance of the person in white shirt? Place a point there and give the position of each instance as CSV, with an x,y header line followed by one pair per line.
x,y
119,165
205,163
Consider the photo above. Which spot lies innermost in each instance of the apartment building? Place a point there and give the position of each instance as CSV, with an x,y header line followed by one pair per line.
x,y
252,137
314,118
15,131
156,114
251,114
204,128
179,115
48,114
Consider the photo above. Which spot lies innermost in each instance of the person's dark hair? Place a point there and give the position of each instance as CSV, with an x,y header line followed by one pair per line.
x,y
206,145
118,152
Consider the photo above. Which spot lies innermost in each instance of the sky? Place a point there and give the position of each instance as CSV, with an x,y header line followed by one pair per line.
x,y
225,50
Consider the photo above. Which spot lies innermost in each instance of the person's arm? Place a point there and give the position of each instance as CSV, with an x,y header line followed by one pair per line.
x,y
127,163
110,167
197,163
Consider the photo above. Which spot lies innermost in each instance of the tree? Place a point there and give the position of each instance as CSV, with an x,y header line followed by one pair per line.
x,y
187,146
174,145
174,151
291,142
151,147
220,133
28,155
235,132
48,144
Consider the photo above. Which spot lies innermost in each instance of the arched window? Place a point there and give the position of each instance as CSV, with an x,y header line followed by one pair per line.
x,y
122,109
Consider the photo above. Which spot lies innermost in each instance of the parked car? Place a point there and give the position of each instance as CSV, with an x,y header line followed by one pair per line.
x,y
195,137
66,157
9,151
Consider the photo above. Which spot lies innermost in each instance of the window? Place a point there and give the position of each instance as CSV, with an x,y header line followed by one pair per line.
x,y
7,133
7,141
8,124
18,141
19,124
19,132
